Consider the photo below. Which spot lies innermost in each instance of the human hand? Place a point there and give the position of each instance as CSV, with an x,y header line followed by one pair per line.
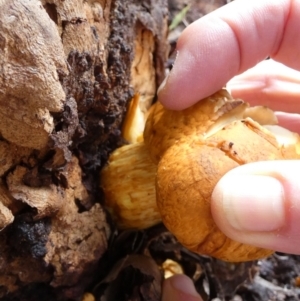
x,y
252,203
256,203
179,288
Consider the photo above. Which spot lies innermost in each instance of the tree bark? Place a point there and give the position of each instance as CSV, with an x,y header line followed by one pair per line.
x,y
68,70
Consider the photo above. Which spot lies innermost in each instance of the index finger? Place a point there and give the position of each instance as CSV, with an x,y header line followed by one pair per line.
x,y
227,42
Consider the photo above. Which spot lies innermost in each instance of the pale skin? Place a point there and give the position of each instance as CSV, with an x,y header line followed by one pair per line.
x,y
218,49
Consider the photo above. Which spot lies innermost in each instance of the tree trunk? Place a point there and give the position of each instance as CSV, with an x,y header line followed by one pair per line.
x,y
67,72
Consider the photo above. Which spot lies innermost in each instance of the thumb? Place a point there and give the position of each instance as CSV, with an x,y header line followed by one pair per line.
x,y
179,288
259,204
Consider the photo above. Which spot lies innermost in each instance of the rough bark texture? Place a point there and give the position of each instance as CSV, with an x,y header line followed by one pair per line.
x,y
67,72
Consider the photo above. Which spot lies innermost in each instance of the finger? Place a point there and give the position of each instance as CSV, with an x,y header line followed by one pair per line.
x,y
259,204
227,42
289,121
269,83
179,288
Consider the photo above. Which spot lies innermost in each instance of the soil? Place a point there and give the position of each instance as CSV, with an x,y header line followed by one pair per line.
x,y
271,279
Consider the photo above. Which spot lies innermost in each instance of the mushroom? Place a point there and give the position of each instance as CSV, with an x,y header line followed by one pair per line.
x,y
134,122
190,151
129,185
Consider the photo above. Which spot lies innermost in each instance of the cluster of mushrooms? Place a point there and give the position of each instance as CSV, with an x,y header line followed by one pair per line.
x,y
169,174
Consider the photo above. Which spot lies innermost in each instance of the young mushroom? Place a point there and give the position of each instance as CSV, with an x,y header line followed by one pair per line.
x,y
129,185
190,151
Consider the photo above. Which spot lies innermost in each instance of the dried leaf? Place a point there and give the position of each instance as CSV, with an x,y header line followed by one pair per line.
x,y
135,277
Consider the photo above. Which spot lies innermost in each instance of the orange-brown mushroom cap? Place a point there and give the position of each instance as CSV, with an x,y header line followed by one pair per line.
x,y
184,189
166,127
188,173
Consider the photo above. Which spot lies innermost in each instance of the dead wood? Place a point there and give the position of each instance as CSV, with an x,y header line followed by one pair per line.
x,y
68,70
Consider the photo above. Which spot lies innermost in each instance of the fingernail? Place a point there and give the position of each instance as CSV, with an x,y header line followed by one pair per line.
x,y
253,202
162,85
185,285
